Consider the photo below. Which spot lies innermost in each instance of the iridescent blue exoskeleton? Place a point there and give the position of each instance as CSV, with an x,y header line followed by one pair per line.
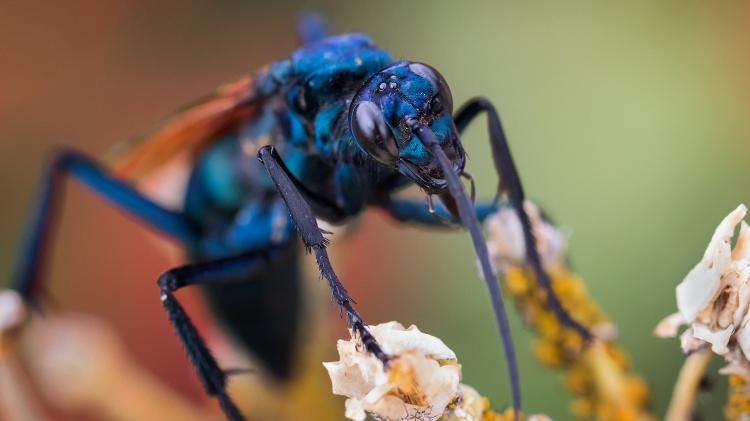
x,y
335,128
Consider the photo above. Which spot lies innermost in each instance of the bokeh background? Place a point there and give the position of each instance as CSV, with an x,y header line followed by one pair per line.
x,y
629,123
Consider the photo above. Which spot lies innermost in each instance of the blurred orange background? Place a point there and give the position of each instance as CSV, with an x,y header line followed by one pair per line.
x,y
629,122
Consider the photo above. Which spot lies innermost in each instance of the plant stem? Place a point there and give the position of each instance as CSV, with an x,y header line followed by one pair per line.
x,y
683,395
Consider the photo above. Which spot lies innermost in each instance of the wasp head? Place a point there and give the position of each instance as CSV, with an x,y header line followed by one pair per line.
x,y
389,107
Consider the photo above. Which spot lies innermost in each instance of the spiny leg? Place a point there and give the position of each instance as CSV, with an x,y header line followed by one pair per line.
x,y
312,237
510,184
28,274
218,271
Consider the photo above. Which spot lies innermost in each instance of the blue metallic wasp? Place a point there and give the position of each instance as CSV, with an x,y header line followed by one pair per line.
x,y
336,127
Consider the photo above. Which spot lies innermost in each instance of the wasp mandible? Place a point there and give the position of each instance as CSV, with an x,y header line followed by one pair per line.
x,y
337,127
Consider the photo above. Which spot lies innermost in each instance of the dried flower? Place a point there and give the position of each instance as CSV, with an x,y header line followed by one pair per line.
x,y
471,406
713,298
598,375
422,378
468,406
421,382
713,301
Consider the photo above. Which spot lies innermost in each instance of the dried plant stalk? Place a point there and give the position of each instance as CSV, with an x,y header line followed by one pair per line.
x,y
713,301
688,382
598,374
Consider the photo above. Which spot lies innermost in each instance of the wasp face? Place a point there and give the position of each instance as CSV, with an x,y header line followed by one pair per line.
x,y
387,109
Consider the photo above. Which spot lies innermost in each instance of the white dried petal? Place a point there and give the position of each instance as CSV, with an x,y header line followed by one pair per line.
x,y
743,294
743,340
737,364
354,410
689,343
667,328
422,380
395,339
539,417
724,307
357,377
743,337
714,298
505,237
735,369
717,338
741,249
470,406
697,290
604,331
703,283
12,310
506,243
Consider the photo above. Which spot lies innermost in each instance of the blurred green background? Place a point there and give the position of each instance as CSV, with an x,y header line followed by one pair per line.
x,y
628,122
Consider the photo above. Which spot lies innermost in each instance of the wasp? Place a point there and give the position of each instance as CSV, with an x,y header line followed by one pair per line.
x,y
335,128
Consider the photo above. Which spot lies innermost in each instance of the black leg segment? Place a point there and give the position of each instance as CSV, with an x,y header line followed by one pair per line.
x,y
312,237
510,184
232,268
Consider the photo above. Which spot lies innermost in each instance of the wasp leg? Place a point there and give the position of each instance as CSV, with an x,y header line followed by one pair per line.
x,y
28,275
217,271
510,184
312,237
416,212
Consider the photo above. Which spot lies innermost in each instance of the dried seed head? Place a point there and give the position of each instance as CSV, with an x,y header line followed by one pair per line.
x,y
598,375
714,298
422,379
506,243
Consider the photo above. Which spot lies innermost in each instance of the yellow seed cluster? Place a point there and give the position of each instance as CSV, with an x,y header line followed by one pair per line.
x,y
598,374
471,406
509,415
490,415
738,402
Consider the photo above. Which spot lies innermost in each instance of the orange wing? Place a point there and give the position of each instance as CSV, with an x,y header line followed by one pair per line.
x,y
188,132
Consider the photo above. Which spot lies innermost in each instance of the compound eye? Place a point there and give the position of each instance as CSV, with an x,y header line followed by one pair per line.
x,y
439,85
373,134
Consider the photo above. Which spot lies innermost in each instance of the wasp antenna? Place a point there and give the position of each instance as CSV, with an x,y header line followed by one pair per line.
x,y
311,27
469,219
